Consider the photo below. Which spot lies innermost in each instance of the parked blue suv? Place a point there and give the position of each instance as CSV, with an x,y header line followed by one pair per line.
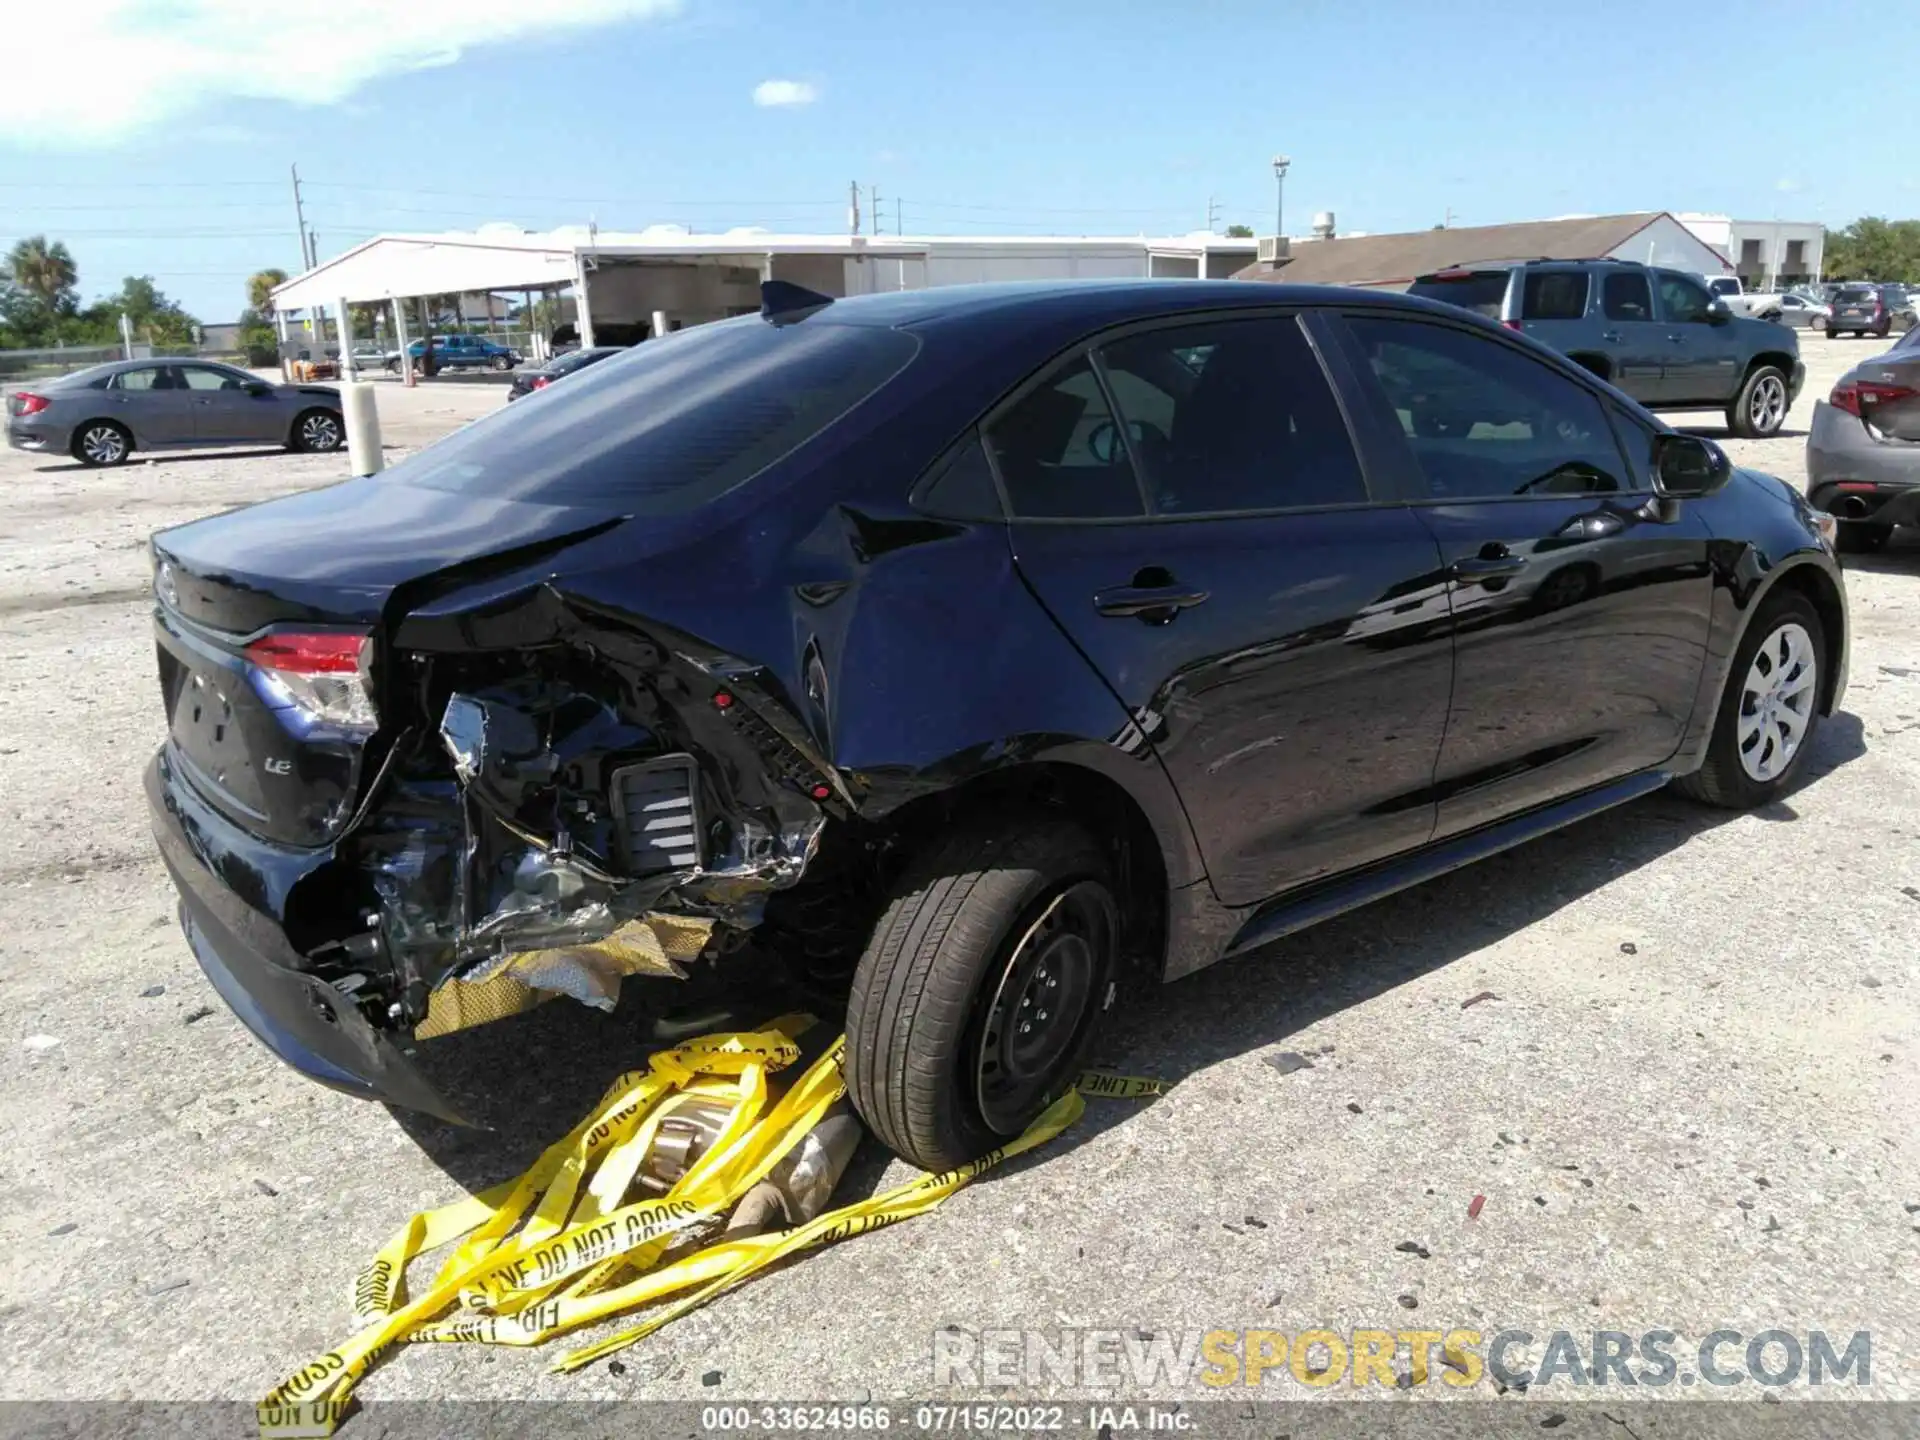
x,y
1656,334
461,352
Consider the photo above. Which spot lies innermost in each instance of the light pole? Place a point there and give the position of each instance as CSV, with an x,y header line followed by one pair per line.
x,y
1280,164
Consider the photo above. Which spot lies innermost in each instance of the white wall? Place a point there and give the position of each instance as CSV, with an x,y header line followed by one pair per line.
x,y
1017,262
1667,242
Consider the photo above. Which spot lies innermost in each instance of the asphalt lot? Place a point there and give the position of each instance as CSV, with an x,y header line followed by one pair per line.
x,y
1688,1101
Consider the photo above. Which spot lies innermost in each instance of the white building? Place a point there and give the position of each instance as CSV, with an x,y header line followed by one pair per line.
x,y
666,277
1766,254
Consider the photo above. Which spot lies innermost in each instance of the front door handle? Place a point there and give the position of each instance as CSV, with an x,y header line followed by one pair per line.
x,y
1153,604
1486,566
1676,339
1612,337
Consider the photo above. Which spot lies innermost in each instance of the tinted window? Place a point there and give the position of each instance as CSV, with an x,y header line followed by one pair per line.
x,y
1682,299
962,487
1060,454
1482,291
1625,295
205,377
677,423
1487,421
1232,416
1854,295
1554,295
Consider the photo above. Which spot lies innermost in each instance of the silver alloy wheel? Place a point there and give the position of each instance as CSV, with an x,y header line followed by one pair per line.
x,y
320,432
1767,405
1776,702
103,444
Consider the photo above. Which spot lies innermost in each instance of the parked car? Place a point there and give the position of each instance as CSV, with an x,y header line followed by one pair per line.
x,y
1655,334
100,416
1802,312
1760,304
528,381
968,648
1863,449
1867,310
461,352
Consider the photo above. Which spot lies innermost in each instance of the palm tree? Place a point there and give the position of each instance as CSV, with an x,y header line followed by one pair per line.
x,y
45,271
260,289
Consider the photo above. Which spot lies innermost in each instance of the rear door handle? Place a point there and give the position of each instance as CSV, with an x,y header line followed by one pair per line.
x,y
1676,339
1612,337
1155,605
1486,567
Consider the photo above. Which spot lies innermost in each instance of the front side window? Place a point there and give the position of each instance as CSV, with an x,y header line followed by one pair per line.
x,y
1625,295
1485,421
1232,416
1554,295
1061,455
1683,300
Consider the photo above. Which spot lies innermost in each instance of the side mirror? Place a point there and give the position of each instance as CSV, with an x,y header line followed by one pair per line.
x,y
1718,313
1685,467
257,387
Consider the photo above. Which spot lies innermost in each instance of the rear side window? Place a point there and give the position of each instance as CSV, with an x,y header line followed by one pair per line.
x,y
1061,455
1625,295
672,423
1554,295
1233,415
1482,291
1486,421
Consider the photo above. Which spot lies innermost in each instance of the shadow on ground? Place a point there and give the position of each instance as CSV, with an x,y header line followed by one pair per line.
x,y
171,457
533,1077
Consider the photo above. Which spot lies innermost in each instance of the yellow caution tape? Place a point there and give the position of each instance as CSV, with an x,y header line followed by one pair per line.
x,y
558,1249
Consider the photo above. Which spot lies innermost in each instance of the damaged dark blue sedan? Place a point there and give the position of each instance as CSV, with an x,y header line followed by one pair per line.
x,y
980,646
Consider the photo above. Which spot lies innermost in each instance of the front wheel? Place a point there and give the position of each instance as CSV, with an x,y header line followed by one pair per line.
x,y
317,431
1760,409
980,990
1769,710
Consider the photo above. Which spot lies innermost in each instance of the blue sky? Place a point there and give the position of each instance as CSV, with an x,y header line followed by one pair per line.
x,y
170,156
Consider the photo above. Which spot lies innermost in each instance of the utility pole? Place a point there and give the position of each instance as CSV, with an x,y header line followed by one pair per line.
x,y
878,219
853,207
300,216
1213,214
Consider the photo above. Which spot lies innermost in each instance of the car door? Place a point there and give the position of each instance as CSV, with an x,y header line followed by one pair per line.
x,y
151,400
1189,505
1702,354
1636,342
1578,599
225,412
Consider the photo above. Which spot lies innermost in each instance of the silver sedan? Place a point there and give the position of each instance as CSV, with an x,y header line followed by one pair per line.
x,y
1802,312
102,415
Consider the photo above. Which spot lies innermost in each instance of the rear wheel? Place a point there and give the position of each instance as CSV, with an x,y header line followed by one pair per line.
x,y
981,987
1760,409
1769,710
502,362
102,442
317,431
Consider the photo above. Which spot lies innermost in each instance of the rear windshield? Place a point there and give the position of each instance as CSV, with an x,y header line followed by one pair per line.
x,y
1856,294
1481,290
671,423
1554,295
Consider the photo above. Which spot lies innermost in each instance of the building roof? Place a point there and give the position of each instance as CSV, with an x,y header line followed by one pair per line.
x,y
1401,259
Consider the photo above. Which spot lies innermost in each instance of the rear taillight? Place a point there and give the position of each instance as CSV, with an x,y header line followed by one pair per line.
x,y
1848,394
27,403
541,383
315,678
1511,324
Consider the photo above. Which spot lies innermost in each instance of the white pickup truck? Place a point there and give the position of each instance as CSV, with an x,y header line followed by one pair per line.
x,y
1740,300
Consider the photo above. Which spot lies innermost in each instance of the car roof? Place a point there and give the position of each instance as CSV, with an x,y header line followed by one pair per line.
x,y
1095,303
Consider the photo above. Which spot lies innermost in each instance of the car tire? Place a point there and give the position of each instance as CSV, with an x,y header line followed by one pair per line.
x,y
502,362
99,444
1818,325
393,367
1760,409
1861,537
991,917
317,431
1735,775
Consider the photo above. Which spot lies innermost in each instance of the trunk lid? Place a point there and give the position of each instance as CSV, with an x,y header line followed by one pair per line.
x,y
268,629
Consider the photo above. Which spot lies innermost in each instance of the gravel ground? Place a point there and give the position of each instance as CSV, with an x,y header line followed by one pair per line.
x,y
1688,1099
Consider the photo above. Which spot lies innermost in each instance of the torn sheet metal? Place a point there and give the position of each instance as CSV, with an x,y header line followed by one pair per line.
x,y
591,973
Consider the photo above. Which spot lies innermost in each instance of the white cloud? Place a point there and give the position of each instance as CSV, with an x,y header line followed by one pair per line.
x,y
785,92
165,60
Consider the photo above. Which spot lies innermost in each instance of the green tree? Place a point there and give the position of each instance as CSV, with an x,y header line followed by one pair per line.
x,y
45,270
154,318
257,338
1873,248
260,289
1239,232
